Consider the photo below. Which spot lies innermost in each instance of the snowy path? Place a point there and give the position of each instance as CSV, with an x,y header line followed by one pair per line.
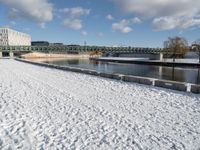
x,y
43,108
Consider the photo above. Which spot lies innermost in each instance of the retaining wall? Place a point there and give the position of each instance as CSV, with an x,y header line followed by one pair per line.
x,y
195,89
141,80
171,85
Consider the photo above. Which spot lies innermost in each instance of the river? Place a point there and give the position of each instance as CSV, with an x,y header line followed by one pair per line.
x,y
182,74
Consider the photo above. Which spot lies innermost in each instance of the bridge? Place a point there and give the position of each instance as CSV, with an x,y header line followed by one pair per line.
x,y
11,50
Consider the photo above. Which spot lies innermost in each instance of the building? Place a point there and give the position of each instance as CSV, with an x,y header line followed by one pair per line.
x,y
45,43
39,43
9,37
56,44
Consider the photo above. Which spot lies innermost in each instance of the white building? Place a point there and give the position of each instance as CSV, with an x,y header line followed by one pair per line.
x,y
10,37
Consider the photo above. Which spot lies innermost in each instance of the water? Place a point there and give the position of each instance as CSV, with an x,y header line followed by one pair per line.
x,y
190,75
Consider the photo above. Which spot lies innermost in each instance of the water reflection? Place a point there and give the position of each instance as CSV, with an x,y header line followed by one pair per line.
x,y
191,75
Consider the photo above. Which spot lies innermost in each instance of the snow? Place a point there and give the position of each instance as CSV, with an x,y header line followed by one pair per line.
x,y
43,108
185,60
123,58
178,60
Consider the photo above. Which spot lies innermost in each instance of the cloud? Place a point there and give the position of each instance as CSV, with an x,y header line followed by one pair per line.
x,y
84,33
76,11
136,20
109,17
158,8
40,11
72,17
75,24
122,26
168,23
165,14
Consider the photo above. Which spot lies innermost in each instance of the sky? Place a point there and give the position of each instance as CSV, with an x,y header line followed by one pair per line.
x,y
138,23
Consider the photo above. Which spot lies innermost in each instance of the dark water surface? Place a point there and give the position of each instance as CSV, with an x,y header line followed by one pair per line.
x,y
190,75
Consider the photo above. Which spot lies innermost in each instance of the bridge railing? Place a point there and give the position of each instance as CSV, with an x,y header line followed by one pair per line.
x,y
78,49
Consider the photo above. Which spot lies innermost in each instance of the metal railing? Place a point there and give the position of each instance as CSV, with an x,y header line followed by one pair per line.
x,y
79,49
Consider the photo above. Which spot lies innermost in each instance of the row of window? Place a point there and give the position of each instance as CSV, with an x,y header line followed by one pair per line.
x,y
19,34
3,43
3,30
15,33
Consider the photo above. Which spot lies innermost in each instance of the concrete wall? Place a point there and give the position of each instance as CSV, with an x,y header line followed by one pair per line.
x,y
140,80
171,85
150,56
106,75
195,89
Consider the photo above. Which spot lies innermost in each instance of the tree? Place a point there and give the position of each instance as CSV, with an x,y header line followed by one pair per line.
x,y
176,47
196,46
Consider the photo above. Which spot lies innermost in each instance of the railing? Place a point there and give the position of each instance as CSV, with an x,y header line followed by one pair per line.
x,y
79,49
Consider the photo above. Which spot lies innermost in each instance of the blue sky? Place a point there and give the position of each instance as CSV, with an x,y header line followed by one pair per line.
x,y
140,23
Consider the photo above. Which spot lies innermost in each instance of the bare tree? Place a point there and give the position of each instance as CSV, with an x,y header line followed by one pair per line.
x,y
196,46
176,47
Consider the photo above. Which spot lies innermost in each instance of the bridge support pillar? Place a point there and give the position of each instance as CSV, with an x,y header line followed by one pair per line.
x,y
161,56
160,70
1,55
11,54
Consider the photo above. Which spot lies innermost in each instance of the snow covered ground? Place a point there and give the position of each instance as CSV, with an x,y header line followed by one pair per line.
x,y
185,60
123,58
43,108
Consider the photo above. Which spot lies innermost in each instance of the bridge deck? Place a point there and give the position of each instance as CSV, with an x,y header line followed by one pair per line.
x,y
102,49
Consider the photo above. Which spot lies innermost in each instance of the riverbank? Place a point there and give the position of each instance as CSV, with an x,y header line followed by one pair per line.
x,y
146,61
170,84
48,108
55,56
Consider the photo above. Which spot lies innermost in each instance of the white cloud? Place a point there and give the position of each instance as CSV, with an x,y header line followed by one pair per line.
x,y
136,20
72,17
168,23
84,33
165,14
40,11
165,23
127,29
122,26
158,8
109,17
72,23
76,11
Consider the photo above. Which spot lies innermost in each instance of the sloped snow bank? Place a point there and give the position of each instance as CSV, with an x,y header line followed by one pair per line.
x,y
43,108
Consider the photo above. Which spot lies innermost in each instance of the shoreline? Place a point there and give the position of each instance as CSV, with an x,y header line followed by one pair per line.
x,y
168,84
53,55
146,62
